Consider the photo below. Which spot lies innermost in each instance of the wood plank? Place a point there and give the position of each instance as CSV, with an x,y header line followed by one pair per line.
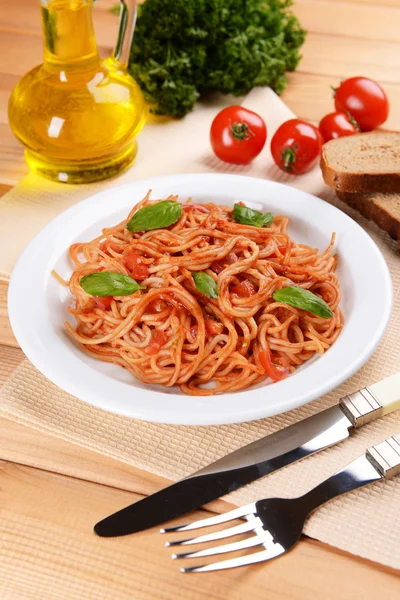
x,y
394,3
345,57
369,22
20,444
12,164
26,446
7,83
49,551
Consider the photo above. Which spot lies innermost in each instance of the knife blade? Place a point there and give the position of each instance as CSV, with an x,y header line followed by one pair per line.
x,y
256,460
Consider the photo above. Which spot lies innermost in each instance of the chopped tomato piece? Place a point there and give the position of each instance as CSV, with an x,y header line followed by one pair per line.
x,y
220,265
157,340
136,267
217,267
102,302
213,327
244,289
274,371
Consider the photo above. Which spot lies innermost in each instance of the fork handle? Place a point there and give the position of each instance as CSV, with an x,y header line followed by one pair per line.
x,y
379,462
357,474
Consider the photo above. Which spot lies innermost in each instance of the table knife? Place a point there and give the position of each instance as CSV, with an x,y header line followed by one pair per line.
x,y
257,459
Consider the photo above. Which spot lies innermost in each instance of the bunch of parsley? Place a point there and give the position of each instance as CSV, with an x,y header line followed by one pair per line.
x,y
183,49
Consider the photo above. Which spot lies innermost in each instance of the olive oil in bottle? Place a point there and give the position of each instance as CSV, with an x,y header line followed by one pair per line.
x,y
78,116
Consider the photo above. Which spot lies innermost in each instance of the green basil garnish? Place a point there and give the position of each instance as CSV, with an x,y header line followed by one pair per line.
x,y
109,284
304,299
248,216
155,216
205,284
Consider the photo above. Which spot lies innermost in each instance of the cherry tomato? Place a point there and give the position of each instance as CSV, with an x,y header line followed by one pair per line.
x,y
365,100
157,340
275,372
244,289
237,135
213,327
102,302
296,146
136,267
337,124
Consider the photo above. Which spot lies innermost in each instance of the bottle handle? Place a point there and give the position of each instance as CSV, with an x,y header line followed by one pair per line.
x,y
127,22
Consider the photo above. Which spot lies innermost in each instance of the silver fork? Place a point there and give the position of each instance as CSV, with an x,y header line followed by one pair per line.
x,y
276,524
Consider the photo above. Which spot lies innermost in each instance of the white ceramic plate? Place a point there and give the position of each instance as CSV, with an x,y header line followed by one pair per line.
x,y
38,303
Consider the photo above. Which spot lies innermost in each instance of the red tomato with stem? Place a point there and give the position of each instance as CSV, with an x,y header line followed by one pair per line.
x,y
237,135
296,146
136,267
275,372
365,100
337,124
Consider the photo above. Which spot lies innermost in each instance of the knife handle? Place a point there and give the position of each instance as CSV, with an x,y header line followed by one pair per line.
x,y
387,392
372,402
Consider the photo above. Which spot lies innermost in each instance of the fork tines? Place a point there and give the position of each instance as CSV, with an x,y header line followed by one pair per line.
x,y
253,524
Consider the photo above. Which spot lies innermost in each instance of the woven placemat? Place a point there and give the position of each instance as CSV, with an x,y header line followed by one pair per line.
x,y
365,522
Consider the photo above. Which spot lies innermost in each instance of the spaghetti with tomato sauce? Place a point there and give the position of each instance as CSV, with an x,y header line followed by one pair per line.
x,y
170,333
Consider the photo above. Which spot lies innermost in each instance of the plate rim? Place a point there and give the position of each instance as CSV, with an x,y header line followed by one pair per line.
x,y
216,419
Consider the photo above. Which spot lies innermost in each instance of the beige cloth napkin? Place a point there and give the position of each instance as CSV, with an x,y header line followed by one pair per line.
x,y
365,522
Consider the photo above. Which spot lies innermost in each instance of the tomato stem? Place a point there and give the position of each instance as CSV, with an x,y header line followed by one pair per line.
x,y
334,89
353,121
240,131
289,159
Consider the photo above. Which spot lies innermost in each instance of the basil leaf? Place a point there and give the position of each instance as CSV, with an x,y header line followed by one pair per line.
x,y
109,284
248,216
267,219
205,284
304,299
155,216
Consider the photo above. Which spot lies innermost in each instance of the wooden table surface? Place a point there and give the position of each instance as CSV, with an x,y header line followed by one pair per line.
x,y
47,548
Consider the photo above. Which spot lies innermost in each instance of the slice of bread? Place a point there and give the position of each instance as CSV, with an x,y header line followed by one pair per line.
x,y
383,209
363,163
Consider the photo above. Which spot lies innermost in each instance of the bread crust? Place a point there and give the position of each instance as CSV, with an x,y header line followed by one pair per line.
x,y
375,210
360,182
